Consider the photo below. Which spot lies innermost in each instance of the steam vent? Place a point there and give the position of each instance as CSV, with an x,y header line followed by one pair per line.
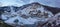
x,y
32,14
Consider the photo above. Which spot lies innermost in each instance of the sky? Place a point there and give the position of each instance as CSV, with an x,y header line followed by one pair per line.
x,y
14,2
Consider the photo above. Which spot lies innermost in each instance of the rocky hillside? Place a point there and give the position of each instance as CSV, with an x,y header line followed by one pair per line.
x,y
30,15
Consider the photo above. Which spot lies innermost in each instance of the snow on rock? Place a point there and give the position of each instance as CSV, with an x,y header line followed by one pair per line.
x,y
33,8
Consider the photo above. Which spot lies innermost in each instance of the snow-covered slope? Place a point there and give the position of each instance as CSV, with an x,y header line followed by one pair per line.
x,y
26,15
26,12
